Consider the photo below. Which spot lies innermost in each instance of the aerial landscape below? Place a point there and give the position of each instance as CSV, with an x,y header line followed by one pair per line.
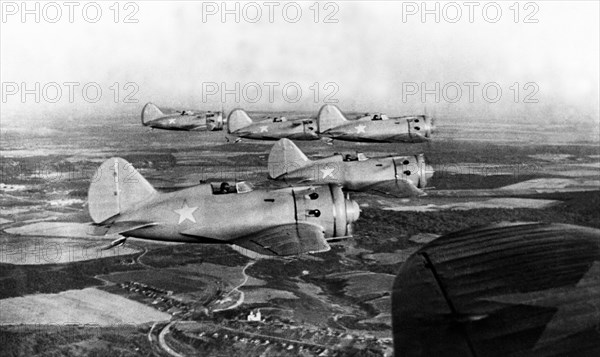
x,y
55,277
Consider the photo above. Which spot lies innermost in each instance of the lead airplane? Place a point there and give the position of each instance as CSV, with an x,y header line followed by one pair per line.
x,y
153,117
399,176
279,222
240,124
373,128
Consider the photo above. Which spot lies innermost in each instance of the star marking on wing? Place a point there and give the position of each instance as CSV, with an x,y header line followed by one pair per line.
x,y
360,128
264,129
172,121
327,172
186,212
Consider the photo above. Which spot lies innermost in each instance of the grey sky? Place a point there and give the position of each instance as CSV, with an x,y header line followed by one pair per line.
x,y
371,55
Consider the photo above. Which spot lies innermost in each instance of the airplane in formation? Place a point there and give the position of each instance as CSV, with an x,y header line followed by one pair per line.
x,y
518,289
331,124
185,120
241,125
399,176
373,128
280,222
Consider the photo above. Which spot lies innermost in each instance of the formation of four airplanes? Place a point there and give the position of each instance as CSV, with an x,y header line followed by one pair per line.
x,y
298,218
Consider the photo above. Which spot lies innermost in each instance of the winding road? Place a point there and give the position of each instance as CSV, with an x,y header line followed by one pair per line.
x,y
241,298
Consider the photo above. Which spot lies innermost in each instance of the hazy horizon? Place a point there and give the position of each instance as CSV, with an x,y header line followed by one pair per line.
x,y
172,56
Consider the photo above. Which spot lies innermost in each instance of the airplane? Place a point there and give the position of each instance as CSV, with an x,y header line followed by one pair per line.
x,y
373,128
517,289
153,117
241,125
280,222
399,176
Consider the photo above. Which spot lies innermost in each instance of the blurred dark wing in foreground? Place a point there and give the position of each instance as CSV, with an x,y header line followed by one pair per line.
x,y
508,290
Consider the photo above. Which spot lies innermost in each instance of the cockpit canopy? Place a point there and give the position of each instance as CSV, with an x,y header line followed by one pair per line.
x,y
355,156
376,116
224,188
380,117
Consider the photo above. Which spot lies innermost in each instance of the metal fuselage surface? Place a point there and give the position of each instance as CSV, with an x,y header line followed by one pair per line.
x,y
402,129
187,122
197,215
268,130
358,175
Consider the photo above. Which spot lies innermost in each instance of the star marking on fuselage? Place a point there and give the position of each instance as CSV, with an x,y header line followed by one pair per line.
x,y
264,129
328,172
360,128
186,212
172,121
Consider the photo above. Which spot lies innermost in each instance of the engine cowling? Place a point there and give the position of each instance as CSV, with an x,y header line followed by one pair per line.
x,y
327,207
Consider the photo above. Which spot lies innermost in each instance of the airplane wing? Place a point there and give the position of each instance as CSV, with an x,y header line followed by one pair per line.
x,y
395,188
287,239
525,289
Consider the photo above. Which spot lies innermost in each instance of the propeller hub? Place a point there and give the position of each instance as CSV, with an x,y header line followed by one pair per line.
x,y
352,211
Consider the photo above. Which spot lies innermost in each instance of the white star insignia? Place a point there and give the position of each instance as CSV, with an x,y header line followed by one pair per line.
x,y
264,129
186,212
360,128
327,172
171,121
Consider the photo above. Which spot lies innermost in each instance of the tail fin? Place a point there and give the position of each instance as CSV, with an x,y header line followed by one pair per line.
x,y
329,117
151,112
285,157
237,119
116,187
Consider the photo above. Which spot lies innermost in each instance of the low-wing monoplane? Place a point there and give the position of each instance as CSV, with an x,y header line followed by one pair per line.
x,y
241,125
520,289
399,176
277,222
153,117
373,128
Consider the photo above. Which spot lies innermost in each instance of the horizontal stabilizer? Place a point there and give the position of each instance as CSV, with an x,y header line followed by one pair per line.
x,y
118,227
115,243
285,157
287,239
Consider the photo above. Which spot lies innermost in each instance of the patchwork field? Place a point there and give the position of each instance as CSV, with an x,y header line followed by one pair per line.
x,y
53,273
77,307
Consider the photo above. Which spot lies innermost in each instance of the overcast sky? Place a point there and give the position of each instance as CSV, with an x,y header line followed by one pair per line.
x,y
372,56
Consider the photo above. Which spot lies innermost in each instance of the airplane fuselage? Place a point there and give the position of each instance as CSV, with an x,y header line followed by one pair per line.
x,y
359,175
178,122
197,215
268,130
412,130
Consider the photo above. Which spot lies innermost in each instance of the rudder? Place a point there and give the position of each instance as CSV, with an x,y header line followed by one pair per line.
x,y
151,112
237,120
116,187
285,157
329,117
